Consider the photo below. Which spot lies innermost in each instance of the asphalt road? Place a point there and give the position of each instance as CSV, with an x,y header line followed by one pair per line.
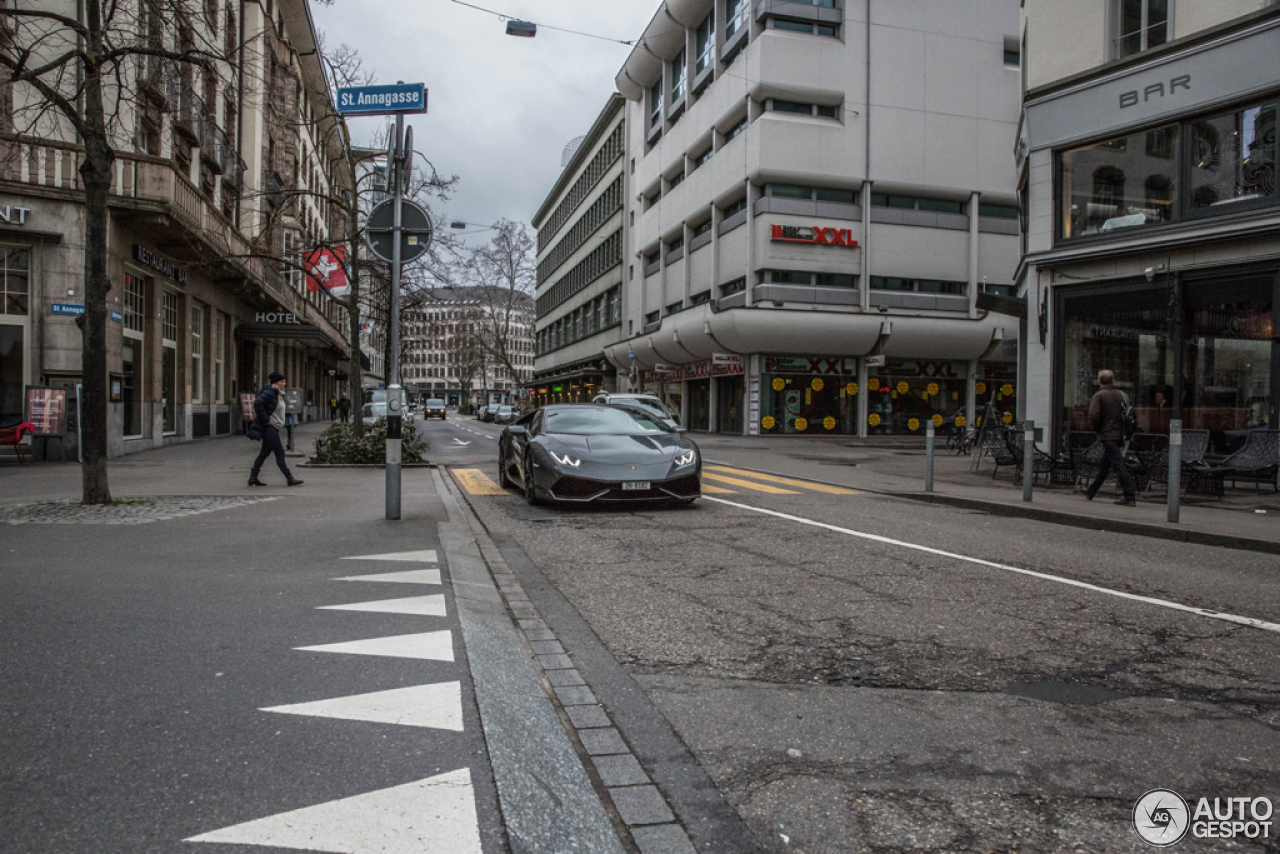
x,y
141,664
860,673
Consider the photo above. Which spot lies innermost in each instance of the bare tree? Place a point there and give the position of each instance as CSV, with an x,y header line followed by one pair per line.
x,y
504,272
81,71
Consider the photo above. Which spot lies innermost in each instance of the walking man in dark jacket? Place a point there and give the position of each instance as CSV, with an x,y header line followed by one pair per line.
x,y
1106,416
269,412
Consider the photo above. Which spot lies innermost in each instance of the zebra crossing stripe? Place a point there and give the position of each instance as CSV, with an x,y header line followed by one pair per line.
x,y
410,576
431,706
435,814
423,606
429,646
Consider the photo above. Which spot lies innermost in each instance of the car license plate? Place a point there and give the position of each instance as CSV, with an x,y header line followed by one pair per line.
x,y
635,484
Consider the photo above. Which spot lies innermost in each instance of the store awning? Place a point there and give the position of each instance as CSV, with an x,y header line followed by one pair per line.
x,y
284,332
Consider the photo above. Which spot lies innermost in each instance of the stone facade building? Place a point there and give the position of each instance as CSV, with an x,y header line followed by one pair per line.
x,y
222,179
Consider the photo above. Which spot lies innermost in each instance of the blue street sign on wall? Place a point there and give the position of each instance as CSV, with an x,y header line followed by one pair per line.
x,y
117,316
67,309
375,100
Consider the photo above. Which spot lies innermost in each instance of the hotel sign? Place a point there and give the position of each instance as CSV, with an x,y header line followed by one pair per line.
x,y
817,235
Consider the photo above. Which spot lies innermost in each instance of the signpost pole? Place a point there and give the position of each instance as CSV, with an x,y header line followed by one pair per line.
x,y
1028,458
928,456
394,415
1175,467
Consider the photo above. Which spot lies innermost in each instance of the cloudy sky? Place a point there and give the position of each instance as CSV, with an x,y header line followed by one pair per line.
x,y
500,109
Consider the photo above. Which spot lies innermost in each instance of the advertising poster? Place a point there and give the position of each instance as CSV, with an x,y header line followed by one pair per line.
x,y
47,409
246,406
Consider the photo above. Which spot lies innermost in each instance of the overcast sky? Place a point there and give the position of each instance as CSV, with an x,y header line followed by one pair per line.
x,y
500,109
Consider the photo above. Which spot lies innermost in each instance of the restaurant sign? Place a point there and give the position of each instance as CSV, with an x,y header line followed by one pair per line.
x,y
159,263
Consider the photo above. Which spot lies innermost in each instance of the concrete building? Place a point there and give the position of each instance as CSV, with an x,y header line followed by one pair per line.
x,y
820,214
579,285
221,178
1147,156
471,345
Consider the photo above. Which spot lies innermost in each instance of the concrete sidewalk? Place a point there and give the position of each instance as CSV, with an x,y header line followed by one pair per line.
x,y
1246,518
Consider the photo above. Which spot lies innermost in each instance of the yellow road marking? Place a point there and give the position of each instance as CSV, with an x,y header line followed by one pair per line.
x,y
758,487
803,484
715,490
477,483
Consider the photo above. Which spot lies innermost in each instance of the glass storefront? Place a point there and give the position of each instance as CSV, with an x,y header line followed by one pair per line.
x,y
730,404
11,374
1216,376
997,387
699,405
801,394
905,394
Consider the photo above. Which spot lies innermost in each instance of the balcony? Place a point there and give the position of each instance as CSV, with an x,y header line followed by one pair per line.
x,y
159,78
214,148
190,119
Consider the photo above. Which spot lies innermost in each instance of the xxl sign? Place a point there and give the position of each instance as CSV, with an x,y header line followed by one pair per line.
x,y
817,235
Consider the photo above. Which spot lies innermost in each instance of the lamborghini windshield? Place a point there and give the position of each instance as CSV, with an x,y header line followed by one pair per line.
x,y
603,420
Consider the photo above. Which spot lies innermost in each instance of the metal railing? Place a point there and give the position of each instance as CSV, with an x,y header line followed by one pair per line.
x,y
191,116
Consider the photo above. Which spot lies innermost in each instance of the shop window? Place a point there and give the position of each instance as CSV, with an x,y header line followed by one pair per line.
x,y
1120,183
14,266
1233,158
811,395
905,395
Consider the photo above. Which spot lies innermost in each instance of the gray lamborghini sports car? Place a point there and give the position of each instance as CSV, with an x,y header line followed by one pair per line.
x,y
591,453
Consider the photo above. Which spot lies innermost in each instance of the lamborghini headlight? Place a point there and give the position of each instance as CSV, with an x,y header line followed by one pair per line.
x,y
686,459
566,460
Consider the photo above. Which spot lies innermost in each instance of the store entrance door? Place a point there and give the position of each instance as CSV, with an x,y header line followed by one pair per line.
x,y
699,405
12,374
729,405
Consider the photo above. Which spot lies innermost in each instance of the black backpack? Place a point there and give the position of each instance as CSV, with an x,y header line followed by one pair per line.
x,y
1128,417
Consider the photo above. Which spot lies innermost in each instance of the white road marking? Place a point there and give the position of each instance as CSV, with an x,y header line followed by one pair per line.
x,y
435,814
430,646
1149,600
430,706
424,556
424,606
458,441
411,576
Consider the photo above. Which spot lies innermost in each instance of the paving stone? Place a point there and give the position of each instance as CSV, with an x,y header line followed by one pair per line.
x,y
555,662
546,647
539,634
662,839
532,623
600,742
575,695
523,610
565,677
125,511
585,717
620,770
641,804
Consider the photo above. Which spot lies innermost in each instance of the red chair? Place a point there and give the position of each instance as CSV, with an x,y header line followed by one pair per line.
x,y
13,436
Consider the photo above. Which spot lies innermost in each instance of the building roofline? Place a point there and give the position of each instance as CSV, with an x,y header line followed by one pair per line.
x,y
610,109
1143,57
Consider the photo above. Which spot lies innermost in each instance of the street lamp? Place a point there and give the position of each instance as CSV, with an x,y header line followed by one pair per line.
x,y
522,29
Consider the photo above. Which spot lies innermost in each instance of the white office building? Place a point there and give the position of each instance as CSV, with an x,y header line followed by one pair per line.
x,y
821,228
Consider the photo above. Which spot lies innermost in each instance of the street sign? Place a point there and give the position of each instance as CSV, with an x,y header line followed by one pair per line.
x,y
379,100
415,236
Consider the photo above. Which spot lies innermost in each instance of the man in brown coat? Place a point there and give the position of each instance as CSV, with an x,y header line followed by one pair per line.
x,y
1106,416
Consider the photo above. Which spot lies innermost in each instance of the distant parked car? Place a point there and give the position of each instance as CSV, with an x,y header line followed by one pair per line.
x,y
504,415
488,413
648,402
372,412
434,408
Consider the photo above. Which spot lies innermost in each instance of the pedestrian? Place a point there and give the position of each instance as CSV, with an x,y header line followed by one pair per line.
x,y
333,409
344,408
269,412
1106,416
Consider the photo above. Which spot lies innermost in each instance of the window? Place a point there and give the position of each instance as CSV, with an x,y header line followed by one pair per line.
x,y
653,317
221,332
807,27
790,277
791,107
701,229
734,287
734,208
15,289
706,42
924,286
997,211
835,280
1120,183
677,78
197,353
703,157
914,203
1012,51
676,180
1140,25
844,197
735,16
736,129
675,307
700,298
655,105
675,244
1233,158
788,191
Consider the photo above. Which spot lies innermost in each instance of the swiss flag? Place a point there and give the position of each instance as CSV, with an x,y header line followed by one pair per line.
x,y
327,271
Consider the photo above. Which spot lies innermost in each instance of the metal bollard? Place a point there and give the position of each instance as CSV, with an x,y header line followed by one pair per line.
x,y
1175,467
928,456
1028,458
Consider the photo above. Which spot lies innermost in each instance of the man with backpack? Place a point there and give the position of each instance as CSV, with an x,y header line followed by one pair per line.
x,y
269,412
1111,416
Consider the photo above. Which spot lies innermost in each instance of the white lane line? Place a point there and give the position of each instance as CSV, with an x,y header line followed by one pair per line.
x,y
1149,600
435,814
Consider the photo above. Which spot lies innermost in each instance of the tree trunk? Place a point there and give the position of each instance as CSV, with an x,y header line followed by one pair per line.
x,y
96,174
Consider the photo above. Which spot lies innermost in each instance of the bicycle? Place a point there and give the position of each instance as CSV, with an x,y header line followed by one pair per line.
x,y
960,441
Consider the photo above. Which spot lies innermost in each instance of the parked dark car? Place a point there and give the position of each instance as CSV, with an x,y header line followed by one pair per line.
x,y
504,415
488,412
583,453
434,408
